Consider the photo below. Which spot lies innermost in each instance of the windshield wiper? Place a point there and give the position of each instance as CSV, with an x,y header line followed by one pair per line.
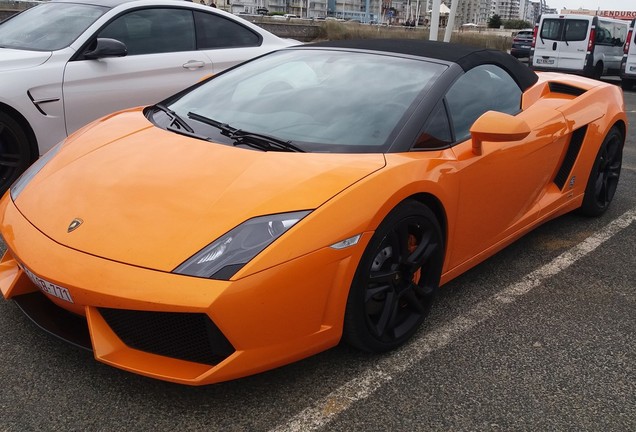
x,y
264,142
251,139
177,124
225,128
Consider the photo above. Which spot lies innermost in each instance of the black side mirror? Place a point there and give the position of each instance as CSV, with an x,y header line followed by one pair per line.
x,y
105,47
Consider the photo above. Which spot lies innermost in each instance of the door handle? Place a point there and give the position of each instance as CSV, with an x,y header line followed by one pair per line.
x,y
193,64
554,46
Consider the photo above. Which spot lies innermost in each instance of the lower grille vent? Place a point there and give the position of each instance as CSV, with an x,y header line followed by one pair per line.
x,y
185,336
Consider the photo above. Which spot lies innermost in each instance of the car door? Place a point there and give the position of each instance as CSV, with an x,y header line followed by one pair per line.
x,y
500,189
162,59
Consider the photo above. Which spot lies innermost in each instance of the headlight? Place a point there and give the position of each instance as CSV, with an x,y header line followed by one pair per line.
x,y
225,256
25,178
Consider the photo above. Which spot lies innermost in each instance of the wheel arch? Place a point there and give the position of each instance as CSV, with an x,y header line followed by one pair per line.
x,y
22,121
622,127
436,206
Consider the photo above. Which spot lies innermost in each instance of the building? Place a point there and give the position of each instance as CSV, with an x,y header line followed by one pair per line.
x,y
624,15
475,12
508,9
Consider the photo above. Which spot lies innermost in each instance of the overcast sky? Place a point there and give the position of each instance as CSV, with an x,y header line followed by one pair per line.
x,y
627,5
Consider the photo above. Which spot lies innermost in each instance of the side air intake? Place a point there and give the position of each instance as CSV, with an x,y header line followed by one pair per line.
x,y
574,148
556,87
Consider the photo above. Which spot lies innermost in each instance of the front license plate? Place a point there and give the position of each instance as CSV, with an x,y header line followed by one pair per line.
x,y
545,61
48,287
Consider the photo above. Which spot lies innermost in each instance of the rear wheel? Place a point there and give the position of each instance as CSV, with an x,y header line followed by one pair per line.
x,y
604,176
15,151
598,71
627,83
396,280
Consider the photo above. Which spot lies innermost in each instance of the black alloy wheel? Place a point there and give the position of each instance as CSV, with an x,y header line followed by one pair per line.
x,y
604,176
396,280
15,151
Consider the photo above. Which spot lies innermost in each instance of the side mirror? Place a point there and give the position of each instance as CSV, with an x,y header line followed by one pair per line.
x,y
498,127
105,47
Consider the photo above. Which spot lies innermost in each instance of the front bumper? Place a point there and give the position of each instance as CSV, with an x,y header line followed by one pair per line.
x,y
137,318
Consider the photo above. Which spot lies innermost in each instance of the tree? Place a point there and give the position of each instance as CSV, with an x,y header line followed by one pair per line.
x,y
494,21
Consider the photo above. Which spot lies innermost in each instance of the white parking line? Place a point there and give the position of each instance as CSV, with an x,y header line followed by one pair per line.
x,y
387,367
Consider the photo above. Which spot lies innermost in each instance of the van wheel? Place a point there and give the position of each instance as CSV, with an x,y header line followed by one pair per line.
x,y
627,84
598,71
15,151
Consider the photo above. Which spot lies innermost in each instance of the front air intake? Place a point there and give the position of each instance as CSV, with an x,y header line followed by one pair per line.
x,y
185,336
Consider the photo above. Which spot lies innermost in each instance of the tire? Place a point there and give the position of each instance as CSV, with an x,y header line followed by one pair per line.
x,y
604,175
598,71
391,293
15,151
627,84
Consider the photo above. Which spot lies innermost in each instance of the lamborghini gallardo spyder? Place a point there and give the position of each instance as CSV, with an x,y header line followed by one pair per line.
x,y
316,194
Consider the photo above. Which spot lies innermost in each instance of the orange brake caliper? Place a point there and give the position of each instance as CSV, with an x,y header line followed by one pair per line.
x,y
412,246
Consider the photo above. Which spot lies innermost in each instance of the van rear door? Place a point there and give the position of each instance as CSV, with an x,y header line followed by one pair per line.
x,y
630,51
546,48
562,43
574,44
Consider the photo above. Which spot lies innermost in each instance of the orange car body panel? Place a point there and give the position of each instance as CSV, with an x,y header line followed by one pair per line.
x,y
123,254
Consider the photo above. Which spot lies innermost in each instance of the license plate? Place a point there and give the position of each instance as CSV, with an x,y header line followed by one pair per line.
x,y
545,61
525,46
632,68
48,287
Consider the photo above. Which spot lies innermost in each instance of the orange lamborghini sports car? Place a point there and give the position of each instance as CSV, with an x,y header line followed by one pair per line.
x,y
315,194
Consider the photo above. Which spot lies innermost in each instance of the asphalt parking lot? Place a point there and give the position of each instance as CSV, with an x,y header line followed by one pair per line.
x,y
541,336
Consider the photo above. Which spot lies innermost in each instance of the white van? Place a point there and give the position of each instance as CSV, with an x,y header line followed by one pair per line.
x,y
578,44
628,65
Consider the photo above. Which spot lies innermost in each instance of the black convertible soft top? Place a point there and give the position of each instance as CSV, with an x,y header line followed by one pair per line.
x,y
467,57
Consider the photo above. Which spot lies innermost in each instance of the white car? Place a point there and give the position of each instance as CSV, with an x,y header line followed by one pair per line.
x,y
65,63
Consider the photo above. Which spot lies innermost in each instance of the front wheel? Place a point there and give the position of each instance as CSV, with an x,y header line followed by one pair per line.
x,y
15,151
396,279
604,176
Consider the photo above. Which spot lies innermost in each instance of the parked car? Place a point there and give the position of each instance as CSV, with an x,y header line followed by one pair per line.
x,y
628,64
521,43
591,46
274,209
66,63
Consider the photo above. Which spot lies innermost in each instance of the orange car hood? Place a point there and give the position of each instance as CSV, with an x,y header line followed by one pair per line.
x,y
153,198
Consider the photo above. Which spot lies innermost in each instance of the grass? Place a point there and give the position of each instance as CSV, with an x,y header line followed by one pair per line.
x,y
339,30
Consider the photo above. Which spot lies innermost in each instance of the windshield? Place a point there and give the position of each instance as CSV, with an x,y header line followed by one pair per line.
x,y
319,100
48,26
